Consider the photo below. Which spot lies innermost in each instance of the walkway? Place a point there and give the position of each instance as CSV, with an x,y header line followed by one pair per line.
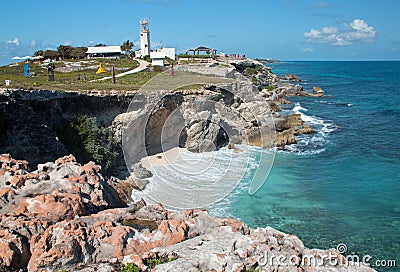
x,y
142,65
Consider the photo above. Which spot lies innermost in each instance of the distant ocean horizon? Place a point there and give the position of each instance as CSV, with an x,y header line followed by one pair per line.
x,y
342,184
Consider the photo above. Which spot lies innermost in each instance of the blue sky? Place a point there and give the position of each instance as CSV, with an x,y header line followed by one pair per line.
x,y
280,29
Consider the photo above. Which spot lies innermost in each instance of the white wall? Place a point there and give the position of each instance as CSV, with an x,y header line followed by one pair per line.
x,y
157,62
169,52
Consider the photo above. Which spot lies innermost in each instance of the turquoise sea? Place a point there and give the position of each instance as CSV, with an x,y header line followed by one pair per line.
x,y
342,184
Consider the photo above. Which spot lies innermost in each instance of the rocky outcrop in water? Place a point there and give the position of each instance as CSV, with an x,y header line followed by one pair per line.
x,y
292,77
65,216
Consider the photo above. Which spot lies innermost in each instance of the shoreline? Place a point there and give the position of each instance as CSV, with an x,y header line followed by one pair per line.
x,y
63,193
162,158
83,226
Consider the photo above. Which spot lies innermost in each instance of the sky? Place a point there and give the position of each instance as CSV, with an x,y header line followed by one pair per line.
x,y
278,29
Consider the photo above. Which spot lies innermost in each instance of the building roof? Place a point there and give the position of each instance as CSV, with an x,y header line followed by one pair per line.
x,y
104,49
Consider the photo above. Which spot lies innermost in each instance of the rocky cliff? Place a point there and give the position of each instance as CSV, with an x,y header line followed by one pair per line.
x,y
65,216
33,122
58,211
41,126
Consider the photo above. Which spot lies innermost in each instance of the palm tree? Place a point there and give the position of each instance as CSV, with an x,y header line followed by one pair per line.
x,y
127,46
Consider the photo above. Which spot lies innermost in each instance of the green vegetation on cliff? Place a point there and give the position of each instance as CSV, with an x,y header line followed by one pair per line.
x,y
85,139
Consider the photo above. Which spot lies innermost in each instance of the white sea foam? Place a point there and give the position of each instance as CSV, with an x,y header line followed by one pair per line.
x,y
184,184
313,143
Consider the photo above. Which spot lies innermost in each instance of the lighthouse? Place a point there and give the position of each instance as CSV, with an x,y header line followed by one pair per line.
x,y
144,38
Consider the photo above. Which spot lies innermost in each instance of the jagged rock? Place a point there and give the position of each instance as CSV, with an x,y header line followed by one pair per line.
x,y
31,121
68,230
317,89
141,172
204,135
282,101
285,137
288,126
63,189
292,77
14,251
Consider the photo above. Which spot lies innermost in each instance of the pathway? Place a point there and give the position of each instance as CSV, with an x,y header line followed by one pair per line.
x,y
142,65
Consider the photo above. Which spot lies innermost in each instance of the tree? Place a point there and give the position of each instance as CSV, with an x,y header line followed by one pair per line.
x,y
79,52
127,46
65,51
39,53
51,54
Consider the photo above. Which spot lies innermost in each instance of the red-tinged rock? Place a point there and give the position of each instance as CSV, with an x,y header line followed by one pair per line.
x,y
6,193
14,250
89,168
236,225
12,165
76,242
17,181
65,159
53,207
2,171
174,230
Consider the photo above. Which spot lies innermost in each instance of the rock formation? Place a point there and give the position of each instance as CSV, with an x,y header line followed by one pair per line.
x,y
65,216
34,124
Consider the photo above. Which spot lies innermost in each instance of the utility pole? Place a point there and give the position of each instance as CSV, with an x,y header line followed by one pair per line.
x,y
113,74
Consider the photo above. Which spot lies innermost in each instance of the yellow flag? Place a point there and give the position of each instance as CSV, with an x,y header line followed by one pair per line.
x,y
100,70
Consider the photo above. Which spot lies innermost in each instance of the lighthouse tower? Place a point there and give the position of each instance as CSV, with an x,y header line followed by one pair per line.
x,y
144,37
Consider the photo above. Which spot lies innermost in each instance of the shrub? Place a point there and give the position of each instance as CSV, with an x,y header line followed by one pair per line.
x,y
130,267
194,56
87,141
153,262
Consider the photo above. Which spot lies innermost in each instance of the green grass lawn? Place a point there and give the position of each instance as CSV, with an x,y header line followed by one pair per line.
x,y
69,80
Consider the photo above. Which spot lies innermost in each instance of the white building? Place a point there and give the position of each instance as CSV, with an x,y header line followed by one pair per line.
x,y
157,58
144,38
104,51
169,52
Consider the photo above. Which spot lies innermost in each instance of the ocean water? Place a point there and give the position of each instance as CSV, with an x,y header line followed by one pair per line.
x,y
342,184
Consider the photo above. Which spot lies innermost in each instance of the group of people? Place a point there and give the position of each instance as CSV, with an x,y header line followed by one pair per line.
x,y
84,77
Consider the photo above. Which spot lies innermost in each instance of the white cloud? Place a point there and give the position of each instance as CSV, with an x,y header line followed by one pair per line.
x,y
308,49
357,31
14,42
33,44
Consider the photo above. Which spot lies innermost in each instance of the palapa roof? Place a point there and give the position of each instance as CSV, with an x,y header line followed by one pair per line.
x,y
203,48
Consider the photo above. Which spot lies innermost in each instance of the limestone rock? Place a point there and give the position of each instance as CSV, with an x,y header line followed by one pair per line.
x,y
292,77
14,251
67,228
140,171
288,127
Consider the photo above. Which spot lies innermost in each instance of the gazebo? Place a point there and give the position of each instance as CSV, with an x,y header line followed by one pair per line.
x,y
202,49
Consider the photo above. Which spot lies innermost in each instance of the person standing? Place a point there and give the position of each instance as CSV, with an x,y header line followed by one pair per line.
x,y
79,77
84,77
50,70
